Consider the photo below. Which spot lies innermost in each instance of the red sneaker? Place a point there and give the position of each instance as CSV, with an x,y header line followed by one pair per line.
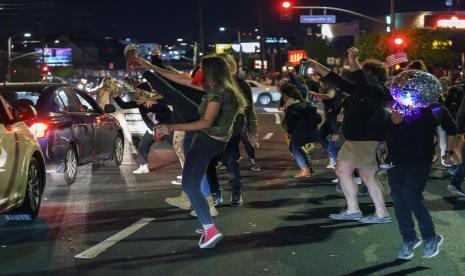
x,y
210,237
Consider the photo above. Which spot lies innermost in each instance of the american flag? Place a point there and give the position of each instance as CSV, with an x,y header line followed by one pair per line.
x,y
396,59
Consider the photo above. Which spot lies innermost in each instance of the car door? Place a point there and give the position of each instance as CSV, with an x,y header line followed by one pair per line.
x,y
10,158
82,126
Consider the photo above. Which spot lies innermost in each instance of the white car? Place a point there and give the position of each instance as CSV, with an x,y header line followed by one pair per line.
x,y
262,94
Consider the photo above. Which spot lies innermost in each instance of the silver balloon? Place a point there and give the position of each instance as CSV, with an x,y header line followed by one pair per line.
x,y
415,89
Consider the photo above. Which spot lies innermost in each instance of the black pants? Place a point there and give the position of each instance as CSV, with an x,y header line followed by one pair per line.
x,y
143,148
186,108
249,149
229,158
407,185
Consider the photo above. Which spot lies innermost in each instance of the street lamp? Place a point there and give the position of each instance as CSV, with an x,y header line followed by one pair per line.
x,y
10,42
239,40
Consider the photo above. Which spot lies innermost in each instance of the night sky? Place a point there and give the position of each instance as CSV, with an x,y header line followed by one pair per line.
x,y
166,20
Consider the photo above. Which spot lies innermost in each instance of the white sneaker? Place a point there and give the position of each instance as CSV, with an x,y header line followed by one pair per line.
x,y
335,180
358,180
176,182
141,170
332,164
179,177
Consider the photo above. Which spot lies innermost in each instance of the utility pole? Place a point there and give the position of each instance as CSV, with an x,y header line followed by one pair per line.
x,y
262,37
393,17
8,76
241,59
201,32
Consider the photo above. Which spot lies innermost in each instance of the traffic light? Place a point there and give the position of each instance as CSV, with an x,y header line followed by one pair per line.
x,y
45,69
399,42
286,11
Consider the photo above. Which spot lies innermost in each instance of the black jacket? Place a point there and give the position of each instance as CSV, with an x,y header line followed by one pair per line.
x,y
413,139
301,120
367,94
162,112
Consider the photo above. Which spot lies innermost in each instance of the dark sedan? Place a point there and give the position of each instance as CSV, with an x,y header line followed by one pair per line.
x,y
70,127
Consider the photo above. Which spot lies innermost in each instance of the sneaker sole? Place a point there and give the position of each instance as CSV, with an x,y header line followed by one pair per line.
x,y
345,219
454,190
437,251
176,183
212,242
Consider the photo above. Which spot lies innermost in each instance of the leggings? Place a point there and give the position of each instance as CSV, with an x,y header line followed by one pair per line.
x,y
201,152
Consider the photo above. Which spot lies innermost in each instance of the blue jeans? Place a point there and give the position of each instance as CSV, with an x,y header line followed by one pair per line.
x,y
229,158
407,185
204,186
332,148
300,156
459,173
202,151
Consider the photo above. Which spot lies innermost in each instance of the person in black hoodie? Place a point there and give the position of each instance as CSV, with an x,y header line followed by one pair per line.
x,y
409,134
358,152
300,122
162,115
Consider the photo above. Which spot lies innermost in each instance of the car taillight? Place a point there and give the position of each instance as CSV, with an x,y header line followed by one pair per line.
x,y
39,129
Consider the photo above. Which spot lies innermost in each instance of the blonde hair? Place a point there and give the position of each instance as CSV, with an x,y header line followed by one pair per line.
x,y
217,73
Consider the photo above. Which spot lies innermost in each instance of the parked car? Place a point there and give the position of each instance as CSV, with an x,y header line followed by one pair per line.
x,y
22,165
70,127
262,94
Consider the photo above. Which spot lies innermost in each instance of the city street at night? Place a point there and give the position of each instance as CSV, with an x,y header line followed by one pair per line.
x,y
282,228
244,137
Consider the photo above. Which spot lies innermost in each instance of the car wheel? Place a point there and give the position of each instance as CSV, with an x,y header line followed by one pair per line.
x,y
118,152
264,99
69,175
34,189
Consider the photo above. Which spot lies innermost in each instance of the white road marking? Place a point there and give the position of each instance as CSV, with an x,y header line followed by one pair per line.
x,y
268,136
95,250
278,118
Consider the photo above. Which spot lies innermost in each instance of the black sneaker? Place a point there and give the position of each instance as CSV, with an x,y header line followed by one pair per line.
x,y
236,199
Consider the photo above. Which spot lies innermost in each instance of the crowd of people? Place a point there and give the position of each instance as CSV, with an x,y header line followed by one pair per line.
x,y
208,113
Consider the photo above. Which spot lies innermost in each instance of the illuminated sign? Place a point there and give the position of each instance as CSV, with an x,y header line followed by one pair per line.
x,y
220,48
440,45
55,56
294,56
247,47
258,64
453,22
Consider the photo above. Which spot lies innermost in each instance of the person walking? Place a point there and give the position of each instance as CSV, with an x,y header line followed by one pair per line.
x,y
301,120
409,135
358,151
218,113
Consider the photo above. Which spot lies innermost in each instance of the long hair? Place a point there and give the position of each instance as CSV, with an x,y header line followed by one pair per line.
x,y
291,91
231,61
217,73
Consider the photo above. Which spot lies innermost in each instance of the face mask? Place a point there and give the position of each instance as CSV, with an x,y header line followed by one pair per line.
x,y
197,80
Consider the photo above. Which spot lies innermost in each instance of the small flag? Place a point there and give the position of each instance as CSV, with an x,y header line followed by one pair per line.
x,y
396,59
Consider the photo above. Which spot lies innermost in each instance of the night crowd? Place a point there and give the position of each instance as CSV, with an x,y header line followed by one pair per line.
x,y
363,127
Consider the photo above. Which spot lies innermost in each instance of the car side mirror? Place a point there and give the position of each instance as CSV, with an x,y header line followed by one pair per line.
x,y
109,108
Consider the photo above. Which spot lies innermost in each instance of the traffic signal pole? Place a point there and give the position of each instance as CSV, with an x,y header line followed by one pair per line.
x,y
340,10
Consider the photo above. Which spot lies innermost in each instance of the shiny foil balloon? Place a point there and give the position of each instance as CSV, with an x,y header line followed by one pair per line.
x,y
415,89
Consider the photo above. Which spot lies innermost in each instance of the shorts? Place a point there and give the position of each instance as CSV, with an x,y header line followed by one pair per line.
x,y
361,154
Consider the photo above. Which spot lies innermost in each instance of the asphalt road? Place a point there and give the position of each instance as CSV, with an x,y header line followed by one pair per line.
x,y
282,229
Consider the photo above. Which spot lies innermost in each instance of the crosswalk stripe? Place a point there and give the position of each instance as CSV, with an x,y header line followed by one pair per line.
x,y
96,250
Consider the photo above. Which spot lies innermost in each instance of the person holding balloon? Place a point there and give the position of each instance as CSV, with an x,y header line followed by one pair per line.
x,y
409,124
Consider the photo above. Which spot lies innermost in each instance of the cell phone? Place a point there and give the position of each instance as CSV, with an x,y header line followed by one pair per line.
x,y
303,67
